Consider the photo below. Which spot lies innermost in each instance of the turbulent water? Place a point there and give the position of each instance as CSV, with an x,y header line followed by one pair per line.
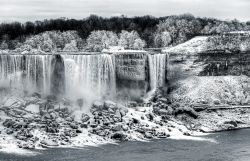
x,y
227,146
90,74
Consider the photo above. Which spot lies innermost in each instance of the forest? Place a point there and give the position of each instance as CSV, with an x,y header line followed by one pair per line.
x,y
95,33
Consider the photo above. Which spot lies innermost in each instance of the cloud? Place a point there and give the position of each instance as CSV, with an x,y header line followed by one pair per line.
x,y
31,10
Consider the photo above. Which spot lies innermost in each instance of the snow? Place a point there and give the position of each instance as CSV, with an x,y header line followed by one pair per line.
x,y
33,108
239,32
175,132
195,45
87,139
8,144
225,89
130,51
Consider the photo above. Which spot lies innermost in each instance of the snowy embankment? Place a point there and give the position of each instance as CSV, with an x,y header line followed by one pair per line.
x,y
35,123
193,46
221,102
227,90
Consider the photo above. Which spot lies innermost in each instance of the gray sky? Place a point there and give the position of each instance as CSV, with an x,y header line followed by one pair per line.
x,y
31,10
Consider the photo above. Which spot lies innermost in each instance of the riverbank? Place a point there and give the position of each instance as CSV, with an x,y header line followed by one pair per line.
x,y
33,122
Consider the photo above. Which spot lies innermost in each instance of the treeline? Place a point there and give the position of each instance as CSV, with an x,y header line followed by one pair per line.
x,y
156,32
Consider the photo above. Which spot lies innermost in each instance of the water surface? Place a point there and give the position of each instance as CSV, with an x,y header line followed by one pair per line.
x,y
233,145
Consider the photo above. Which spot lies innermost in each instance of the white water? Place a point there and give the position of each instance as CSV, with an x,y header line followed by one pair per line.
x,y
157,70
90,75
26,73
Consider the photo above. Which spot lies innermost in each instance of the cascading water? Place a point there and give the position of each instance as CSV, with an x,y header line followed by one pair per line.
x,y
157,70
25,72
90,75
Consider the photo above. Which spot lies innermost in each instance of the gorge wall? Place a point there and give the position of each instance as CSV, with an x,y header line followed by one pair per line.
x,y
218,63
209,63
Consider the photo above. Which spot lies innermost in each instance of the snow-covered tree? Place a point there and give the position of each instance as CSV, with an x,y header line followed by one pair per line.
x,y
131,40
3,45
72,46
139,44
222,28
162,39
52,41
99,40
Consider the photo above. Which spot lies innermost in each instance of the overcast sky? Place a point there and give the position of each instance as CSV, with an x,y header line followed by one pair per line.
x,y
31,10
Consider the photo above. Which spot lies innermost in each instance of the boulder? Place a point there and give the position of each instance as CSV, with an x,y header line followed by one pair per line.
x,y
8,123
47,116
53,115
35,94
85,117
123,111
110,105
119,136
186,110
162,135
9,131
23,134
73,125
232,122
33,108
26,145
78,131
135,121
199,108
98,105
84,125
118,115
51,129
125,127
51,98
50,143
217,102
93,125
117,127
162,112
70,133
14,102
163,100
186,133
69,119
150,116
148,135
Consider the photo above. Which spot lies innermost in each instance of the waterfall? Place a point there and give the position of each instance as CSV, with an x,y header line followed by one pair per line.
x,y
25,72
90,75
157,70
10,71
81,75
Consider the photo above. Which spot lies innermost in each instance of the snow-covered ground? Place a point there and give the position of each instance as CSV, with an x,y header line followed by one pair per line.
x,y
193,46
219,89
173,128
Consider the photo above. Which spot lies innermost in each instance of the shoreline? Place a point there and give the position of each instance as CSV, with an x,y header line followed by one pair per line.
x,y
41,124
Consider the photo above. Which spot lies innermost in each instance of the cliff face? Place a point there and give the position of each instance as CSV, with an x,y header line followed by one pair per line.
x,y
220,63
211,63
131,74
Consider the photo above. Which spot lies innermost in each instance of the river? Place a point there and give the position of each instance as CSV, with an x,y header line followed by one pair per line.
x,y
229,146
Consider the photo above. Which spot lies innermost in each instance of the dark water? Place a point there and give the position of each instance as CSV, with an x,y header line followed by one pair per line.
x,y
233,145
